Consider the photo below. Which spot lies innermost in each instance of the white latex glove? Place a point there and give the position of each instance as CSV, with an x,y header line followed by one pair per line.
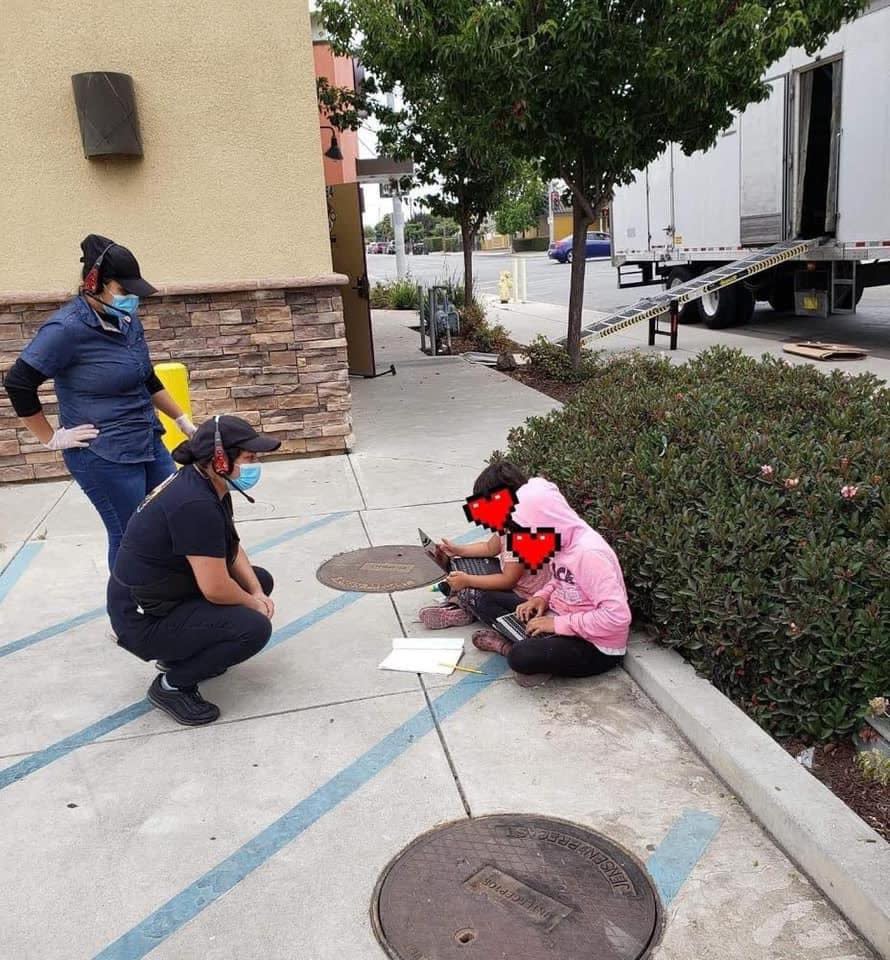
x,y
186,426
67,438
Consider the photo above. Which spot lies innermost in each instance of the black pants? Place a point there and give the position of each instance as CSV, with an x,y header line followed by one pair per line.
x,y
198,639
561,656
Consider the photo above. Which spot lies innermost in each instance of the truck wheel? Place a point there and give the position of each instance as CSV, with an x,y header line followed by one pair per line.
x,y
568,258
781,298
720,308
689,311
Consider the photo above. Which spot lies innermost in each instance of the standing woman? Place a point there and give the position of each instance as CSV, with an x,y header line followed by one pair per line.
x,y
94,349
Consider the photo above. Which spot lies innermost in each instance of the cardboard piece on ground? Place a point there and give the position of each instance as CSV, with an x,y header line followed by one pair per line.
x,y
819,350
425,655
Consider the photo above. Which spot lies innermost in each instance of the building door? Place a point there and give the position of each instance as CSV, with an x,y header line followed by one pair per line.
x,y
348,256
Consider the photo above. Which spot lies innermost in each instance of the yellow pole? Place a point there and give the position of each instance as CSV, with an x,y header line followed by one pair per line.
x,y
175,378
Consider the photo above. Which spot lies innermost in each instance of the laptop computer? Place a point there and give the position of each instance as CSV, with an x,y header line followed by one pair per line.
x,y
475,566
511,627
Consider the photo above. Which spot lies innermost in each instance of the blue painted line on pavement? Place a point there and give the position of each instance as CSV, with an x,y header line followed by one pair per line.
x,y
676,856
276,541
52,631
186,905
310,619
43,758
13,570
72,622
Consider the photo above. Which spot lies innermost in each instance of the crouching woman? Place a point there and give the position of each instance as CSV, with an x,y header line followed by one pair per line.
x,y
183,591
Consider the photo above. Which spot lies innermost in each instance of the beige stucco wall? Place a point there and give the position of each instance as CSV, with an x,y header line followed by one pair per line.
x,y
231,184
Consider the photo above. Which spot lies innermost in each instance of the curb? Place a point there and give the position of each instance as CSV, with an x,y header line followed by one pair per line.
x,y
847,860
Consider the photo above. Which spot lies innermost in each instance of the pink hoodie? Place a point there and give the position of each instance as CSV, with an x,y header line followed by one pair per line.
x,y
586,590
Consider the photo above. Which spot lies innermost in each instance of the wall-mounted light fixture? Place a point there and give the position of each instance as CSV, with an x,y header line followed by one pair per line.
x,y
333,151
106,111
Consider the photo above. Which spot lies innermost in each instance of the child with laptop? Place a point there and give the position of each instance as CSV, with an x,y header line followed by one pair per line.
x,y
485,597
577,624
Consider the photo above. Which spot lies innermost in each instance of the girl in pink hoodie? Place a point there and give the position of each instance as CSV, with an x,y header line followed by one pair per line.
x,y
578,623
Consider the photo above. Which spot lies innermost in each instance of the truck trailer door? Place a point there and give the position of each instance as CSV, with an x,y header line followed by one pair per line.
x,y
661,202
764,168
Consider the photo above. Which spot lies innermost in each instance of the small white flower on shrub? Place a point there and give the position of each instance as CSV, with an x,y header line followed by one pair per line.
x,y
792,483
766,471
849,491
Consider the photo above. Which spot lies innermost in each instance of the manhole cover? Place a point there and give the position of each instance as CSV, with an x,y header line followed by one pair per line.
x,y
508,887
380,570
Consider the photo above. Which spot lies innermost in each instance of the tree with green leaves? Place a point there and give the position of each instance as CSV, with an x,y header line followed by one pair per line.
x,y
384,230
523,203
597,89
594,90
436,126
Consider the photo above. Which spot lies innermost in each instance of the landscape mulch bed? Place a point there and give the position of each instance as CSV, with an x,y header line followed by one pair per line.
x,y
835,765
556,389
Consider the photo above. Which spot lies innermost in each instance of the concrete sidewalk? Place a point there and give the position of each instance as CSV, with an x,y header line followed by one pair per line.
x,y
261,837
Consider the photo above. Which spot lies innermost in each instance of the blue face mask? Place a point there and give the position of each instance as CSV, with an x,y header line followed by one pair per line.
x,y
125,305
248,476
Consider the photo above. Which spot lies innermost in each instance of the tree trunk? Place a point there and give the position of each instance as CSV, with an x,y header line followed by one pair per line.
x,y
467,235
580,221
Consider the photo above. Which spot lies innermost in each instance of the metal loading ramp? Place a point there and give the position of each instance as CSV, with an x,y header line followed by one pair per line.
x,y
651,308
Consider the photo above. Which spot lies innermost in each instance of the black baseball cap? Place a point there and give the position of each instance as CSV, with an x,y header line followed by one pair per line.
x,y
235,433
118,263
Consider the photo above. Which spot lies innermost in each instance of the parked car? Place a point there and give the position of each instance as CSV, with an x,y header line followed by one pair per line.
x,y
377,246
389,247
598,245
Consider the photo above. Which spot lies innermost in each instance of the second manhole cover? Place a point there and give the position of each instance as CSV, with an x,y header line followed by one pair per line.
x,y
512,886
380,570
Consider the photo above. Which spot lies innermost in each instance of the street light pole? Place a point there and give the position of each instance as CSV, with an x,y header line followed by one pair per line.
x,y
398,217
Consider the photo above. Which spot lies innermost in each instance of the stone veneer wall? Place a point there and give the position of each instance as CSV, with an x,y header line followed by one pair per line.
x,y
272,352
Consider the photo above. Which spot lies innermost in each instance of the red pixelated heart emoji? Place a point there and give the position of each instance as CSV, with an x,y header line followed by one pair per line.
x,y
492,510
533,549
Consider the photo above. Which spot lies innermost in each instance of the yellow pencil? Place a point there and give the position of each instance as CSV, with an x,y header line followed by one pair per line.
x,y
463,669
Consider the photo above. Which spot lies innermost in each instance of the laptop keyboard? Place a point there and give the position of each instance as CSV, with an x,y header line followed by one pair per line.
x,y
476,566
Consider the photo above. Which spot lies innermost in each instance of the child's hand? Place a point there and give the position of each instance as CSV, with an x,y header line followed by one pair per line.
x,y
458,580
449,549
535,607
540,625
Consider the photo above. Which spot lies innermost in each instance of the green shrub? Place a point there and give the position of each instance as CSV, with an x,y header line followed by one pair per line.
x,y
394,295
749,504
491,338
552,361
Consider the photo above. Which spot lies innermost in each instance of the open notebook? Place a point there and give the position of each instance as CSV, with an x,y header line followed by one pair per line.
x,y
425,654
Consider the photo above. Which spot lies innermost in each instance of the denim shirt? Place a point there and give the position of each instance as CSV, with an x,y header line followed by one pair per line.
x,y
100,379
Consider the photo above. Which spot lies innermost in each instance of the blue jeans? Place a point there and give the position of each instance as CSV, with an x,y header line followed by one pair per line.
x,y
117,489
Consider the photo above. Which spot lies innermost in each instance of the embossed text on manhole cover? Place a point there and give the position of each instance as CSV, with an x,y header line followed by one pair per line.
x,y
380,569
517,887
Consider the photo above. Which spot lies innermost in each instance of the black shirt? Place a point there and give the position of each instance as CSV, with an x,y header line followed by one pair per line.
x,y
182,517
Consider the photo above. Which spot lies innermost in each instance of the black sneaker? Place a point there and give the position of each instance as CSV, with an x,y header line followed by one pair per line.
x,y
187,706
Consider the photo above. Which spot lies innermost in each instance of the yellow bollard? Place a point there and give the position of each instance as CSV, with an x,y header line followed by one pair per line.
x,y
175,378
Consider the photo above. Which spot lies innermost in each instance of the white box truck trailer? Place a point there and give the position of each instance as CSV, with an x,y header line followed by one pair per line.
x,y
799,186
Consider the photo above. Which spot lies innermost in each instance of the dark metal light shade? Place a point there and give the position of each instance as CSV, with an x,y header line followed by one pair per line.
x,y
106,110
334,151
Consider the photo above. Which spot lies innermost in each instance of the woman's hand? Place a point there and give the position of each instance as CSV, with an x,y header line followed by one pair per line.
x,y
535,607
448,548
68,438
262,604
186,426
458,580
540,625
